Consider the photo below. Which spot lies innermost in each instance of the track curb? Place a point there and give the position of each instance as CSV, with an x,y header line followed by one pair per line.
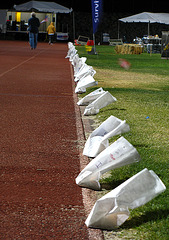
x,y
83,126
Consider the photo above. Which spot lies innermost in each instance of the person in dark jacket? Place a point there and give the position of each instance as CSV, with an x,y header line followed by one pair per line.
x,y
33,24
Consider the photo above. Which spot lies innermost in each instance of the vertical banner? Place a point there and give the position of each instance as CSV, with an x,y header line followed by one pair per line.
x,y
96,13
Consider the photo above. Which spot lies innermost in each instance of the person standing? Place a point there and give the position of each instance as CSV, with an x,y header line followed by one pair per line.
x,y
33,24
51,32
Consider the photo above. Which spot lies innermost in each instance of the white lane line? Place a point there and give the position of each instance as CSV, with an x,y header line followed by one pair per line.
x,y
18,65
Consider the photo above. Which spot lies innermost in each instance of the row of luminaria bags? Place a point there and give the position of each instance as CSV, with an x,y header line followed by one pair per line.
x,y
112,210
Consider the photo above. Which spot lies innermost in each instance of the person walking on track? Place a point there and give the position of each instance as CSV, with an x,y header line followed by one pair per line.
x,y
33,24
51,32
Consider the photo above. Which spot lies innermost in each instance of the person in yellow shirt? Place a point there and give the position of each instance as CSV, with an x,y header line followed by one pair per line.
x,y
51,32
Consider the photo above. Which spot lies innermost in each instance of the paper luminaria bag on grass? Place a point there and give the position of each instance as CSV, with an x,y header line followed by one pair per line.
x,y
98,139
78,63
101,102
112,210
71,49
74,52
118,154
84,71
85,83
91,97
71,54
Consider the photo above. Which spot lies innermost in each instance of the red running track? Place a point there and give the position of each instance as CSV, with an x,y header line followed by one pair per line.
x,y
39,157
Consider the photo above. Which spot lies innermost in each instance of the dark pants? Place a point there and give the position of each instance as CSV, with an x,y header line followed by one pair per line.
x,y
51,38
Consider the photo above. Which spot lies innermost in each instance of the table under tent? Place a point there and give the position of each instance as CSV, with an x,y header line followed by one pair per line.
x,y
152,43
17,18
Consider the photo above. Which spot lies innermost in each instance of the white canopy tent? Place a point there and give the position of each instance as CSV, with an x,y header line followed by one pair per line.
x,y
43,9
147,17
48,7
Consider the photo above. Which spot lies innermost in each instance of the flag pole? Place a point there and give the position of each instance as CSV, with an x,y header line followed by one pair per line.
x,y
96,16
94,43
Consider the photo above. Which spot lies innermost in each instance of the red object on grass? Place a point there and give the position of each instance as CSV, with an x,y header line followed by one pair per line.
x,y
124,64
90,43
76,43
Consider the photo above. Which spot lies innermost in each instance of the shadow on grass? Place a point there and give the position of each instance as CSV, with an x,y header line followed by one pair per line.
x,y
147,217
111,185
112,109
141,145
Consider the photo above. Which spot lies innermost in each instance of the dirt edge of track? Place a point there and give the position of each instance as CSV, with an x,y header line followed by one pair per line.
x,y
89,196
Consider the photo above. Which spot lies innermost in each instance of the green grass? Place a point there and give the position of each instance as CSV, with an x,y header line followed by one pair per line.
x,y
108,59
149,136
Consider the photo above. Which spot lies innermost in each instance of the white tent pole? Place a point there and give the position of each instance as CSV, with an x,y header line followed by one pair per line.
x,y
149,28
73,25
118,23
56,21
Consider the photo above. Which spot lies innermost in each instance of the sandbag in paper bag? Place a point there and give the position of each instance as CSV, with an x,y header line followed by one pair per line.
x,y
91,72
71,48
87,82
112,210
99,138
101,102
118,154
78,63
90,97
72,55
84,71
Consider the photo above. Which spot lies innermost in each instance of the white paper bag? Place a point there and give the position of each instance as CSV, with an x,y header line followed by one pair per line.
x,y
71,47
72,55
75,60
83,72
81,66
85,83
72,51
98,139
78,63
118,154
101,102
112,210
90,97
84,68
